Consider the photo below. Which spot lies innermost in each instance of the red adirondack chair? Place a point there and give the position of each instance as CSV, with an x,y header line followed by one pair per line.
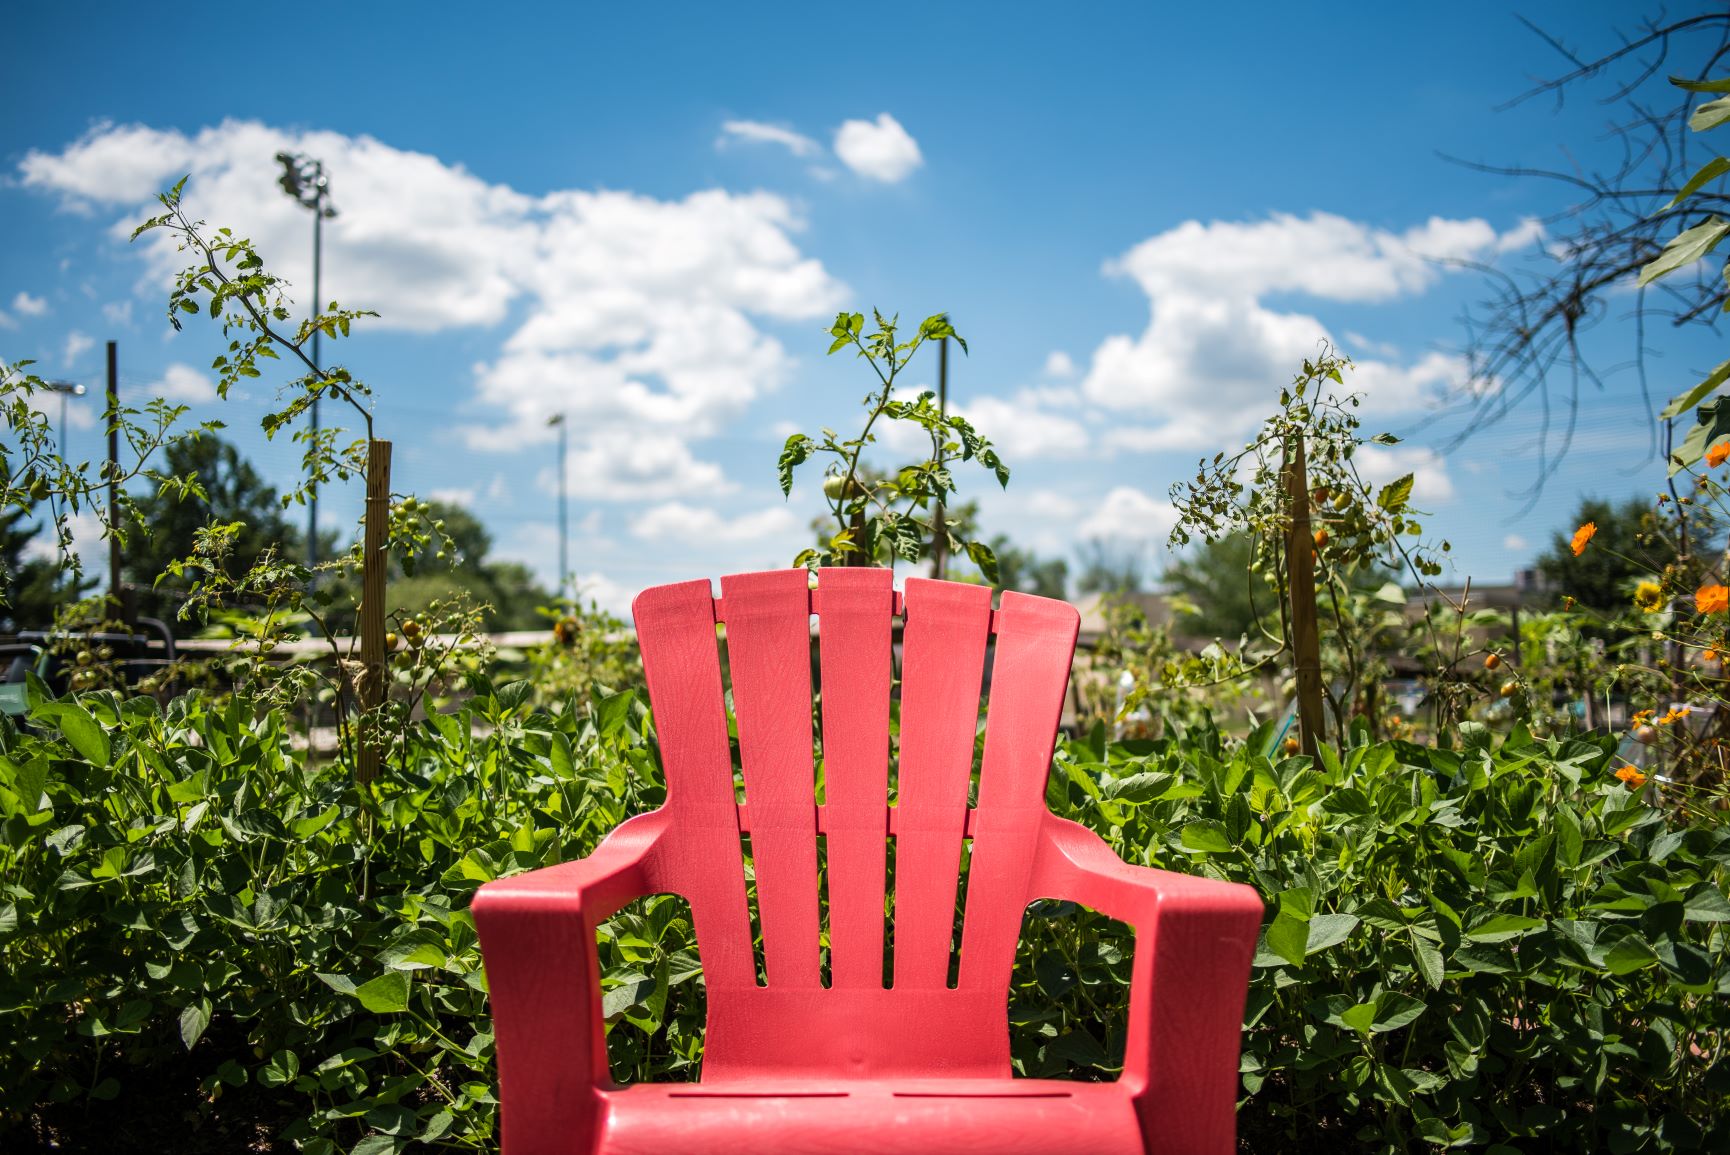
x,y
860,1065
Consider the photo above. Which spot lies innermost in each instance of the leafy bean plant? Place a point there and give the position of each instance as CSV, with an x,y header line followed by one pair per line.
x,y
193,908
901,515
1490,945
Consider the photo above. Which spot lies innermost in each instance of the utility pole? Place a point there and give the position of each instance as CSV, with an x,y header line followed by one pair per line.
x,y
558,419
940,533
116,605
303,179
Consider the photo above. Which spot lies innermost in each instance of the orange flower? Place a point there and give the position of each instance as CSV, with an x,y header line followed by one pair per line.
x,y
1582,536
1708,654
1713,599
1715,456
1632,777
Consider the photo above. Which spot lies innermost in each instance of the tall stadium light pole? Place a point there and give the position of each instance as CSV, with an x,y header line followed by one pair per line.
x,y
303,180
558,419
65,389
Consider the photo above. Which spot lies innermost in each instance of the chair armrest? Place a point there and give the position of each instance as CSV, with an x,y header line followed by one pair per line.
x,y
1195,938
537,938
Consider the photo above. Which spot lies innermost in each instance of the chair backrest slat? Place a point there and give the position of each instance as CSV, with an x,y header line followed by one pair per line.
x,y
856,639
681,664
944,638
1029,675
768,617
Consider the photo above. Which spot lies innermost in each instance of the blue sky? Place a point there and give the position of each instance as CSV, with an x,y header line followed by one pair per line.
x,y
1140,216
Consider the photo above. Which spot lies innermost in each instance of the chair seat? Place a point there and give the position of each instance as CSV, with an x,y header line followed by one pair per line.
x,y
1012,1116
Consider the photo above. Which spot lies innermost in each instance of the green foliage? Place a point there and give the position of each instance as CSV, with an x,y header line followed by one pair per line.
x,y
185,881
880,519
223,488
1482,945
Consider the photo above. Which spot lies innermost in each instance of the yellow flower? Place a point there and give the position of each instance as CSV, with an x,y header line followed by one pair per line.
x,y
1632,777
1712,599
1582,536
1715,456
1649,596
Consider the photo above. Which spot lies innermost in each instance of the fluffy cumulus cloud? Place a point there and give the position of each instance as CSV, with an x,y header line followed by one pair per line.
x,y
676,521
878,149
183,384
640,318
26,305
1128,514
1215,353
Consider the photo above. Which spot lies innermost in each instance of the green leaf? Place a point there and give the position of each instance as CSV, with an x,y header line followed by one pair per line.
x,y
1206,835
1706,903
1329,930
1711,425
1685,248
1288,938
193,1020
1501,927
1394,1010
1710,115
1720,85
1699,393
387,994
1710,171
1395,494
984,558
1631,953
85,734
1427,956
794,453
379,1145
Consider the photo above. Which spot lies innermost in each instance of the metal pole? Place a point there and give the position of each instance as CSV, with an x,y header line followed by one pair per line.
x,y
564,560
116,605
317,307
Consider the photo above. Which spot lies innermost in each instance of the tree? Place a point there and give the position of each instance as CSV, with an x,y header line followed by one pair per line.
x,y
229,490
1111,567
35,586
1020,569
1226,594
456,562
1524,341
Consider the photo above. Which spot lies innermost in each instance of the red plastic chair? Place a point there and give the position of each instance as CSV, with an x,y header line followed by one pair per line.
x,y
857,1066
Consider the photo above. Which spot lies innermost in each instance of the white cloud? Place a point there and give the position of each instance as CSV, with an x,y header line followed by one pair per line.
x,y
1126,513
28,306
880,150
183,384
758,132
77,344
463,496
7,322
1022,427
1215,355
605,592
676,521
1431,485
1059,365
1516,543
118,313
642,468
637,316
1045,503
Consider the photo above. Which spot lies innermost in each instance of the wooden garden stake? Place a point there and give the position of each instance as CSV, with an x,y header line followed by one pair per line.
x,y
1301,581
372,606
